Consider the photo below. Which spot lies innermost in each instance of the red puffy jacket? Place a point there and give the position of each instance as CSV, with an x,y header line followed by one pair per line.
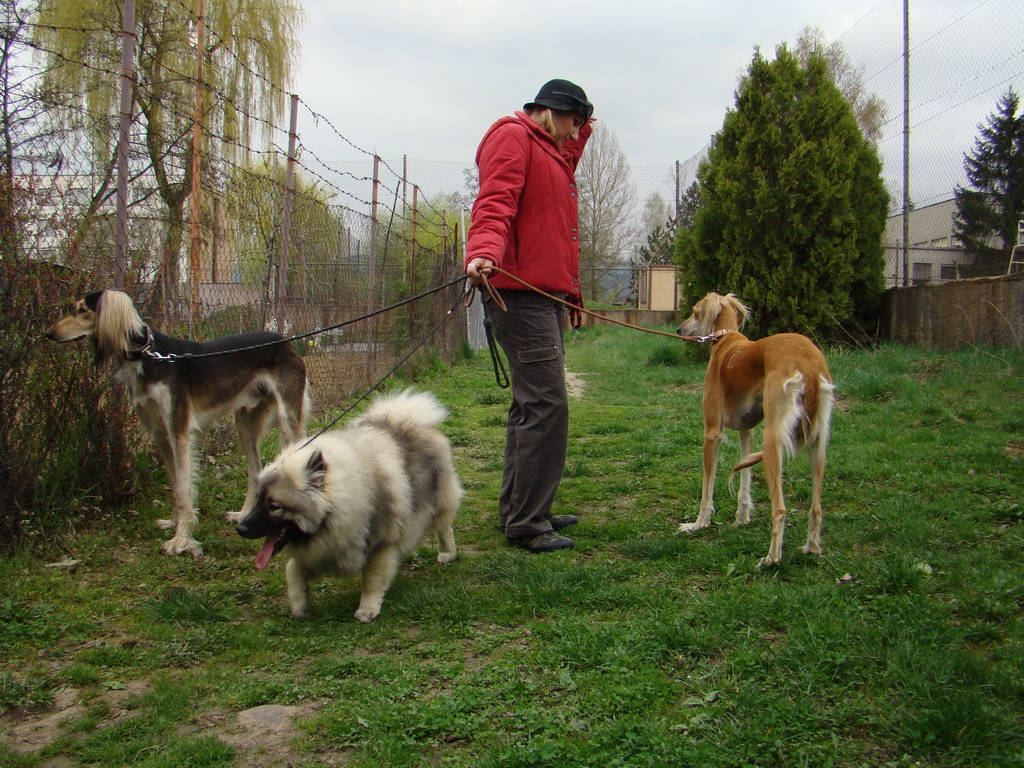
x,y
526,216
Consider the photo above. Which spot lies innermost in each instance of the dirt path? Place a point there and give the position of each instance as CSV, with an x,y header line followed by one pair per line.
x,y
576,385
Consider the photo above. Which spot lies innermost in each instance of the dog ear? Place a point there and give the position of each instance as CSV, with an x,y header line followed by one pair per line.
x,y
92,301
316,470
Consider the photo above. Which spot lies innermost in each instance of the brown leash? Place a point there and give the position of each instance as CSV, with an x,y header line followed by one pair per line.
x,y
496,297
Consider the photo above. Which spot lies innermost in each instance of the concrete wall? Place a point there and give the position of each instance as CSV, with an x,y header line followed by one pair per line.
x,y
645,318
980,311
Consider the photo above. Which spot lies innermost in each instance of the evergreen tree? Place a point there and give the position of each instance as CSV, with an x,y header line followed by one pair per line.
x,y
995,170
689,205
792,204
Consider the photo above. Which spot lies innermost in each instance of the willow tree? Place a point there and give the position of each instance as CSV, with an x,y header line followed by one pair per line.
x,y
254,199
249,54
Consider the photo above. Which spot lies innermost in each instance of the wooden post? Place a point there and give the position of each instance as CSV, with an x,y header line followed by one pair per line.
x,y
286,221
195,239
413,314
123,137
412,252
373,231
371,324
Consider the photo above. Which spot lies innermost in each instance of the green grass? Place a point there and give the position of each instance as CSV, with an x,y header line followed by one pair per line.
x,y
901,646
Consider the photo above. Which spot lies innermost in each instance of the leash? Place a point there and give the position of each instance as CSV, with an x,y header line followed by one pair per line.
x,y
464,297
579,309
146,350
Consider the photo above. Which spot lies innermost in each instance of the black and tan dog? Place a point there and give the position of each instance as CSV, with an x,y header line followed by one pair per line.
x,y
782,380
246,374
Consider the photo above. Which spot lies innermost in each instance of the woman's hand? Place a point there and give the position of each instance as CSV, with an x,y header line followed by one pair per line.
x,y
478,269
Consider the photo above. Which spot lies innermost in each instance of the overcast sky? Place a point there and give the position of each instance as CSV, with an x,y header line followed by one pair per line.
x,y
425,78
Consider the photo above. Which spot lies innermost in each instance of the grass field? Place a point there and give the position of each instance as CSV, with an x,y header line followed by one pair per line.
x,y
902,646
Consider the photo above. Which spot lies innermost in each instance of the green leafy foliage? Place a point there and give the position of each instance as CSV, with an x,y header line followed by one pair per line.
x,y
994,203
792,204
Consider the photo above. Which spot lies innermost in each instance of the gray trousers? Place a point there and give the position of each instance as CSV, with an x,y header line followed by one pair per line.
x,y
530,333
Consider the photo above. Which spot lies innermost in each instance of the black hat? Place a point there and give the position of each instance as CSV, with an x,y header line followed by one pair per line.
x,y
563,95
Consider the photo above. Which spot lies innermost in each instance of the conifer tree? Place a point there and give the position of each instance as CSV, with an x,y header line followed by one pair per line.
x,y
792,204
990,210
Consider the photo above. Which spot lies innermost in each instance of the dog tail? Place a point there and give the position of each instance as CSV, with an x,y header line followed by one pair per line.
x,y
821,430
751,460
795,429
407,408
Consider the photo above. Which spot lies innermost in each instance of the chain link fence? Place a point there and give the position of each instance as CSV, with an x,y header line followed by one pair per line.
x,y
273,236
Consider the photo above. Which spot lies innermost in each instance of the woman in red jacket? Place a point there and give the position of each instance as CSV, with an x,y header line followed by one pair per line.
x,y
525,220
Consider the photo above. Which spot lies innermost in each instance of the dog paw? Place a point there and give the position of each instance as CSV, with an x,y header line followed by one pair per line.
x,y
445,557
767,562
690,527
365,615
811,549
300,615
743,514
183,546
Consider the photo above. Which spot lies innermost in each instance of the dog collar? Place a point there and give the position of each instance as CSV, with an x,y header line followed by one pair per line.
x,y
147,344
716,336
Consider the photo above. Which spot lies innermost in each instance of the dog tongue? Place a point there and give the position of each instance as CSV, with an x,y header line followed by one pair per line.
x,y
267,551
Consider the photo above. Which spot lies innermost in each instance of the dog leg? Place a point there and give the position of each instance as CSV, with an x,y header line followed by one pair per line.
x,y
182,492
292,410
249,422
448,507
163,449
772,450
745,504
298,589
445,545
378,573
813,545
712,442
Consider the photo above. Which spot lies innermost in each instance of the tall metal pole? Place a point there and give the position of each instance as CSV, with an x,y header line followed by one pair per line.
x,y
679,195
123,138
906,142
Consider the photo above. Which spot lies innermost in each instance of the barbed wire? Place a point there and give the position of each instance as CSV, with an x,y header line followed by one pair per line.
x,y
958,81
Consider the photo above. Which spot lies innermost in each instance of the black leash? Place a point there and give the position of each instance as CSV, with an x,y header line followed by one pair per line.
x,y
399,364
497,362
170,357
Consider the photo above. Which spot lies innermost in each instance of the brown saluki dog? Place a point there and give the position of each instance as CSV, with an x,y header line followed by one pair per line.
x,y
782,380
174,398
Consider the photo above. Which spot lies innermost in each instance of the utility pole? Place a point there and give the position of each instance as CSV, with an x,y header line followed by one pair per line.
x,y
906,142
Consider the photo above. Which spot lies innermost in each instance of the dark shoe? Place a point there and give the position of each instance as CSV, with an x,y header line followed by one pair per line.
x,y
558,522
549,541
